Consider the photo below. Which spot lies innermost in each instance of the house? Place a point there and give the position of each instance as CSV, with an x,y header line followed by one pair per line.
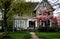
x,y
26,20
44,9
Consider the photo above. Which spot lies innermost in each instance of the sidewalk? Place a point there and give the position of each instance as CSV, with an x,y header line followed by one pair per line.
x,y
33,35
1,33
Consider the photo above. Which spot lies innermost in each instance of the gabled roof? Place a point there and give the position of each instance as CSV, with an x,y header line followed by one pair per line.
x,y
44,3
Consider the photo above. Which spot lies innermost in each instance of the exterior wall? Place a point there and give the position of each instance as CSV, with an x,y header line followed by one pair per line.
x,y
26,23
25,17
26,13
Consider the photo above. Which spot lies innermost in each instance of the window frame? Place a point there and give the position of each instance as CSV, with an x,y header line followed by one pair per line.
x,y
18,25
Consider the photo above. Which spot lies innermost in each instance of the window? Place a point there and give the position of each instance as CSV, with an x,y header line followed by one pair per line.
x,y
19,24
44,4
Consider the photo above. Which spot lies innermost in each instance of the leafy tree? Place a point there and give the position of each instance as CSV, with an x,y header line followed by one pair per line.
x,y
12,7
5,6
9,7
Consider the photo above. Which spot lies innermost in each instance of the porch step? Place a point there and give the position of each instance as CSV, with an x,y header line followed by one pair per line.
x,y
31,29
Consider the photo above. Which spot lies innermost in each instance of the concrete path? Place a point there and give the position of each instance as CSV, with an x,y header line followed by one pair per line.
x,y
33,35
1,33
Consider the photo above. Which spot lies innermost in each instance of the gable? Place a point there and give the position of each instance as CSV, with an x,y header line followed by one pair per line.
x,y
44,3
44,6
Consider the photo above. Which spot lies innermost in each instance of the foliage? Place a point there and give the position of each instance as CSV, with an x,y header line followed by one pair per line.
x,y
48,29
0,22
5,6
23,7
12,7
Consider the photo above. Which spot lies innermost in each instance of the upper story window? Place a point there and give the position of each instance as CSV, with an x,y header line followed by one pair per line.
x,y
44,4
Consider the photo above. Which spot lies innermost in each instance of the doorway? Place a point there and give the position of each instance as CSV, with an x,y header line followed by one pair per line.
x,y
32,24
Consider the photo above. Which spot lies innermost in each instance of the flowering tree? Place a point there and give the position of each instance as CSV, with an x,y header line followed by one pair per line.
x,y
58,20
44,15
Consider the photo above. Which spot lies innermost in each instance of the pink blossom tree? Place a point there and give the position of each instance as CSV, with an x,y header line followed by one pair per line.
x,y
43,16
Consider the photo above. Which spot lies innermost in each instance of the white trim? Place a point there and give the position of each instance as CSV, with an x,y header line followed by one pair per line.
x,y
50,23
28,22
43,24
31,20
36,23
17,24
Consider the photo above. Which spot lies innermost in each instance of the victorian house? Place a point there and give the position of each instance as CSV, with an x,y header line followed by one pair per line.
x,y
26,19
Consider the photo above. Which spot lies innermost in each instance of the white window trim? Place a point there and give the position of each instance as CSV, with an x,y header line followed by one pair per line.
x,y
18,25
31,20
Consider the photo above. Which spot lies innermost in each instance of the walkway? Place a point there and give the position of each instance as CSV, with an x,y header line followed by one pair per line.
x,y
33,35
1,33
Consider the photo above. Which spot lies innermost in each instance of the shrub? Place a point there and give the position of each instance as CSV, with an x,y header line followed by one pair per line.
x,y
48,29
53,29
43,29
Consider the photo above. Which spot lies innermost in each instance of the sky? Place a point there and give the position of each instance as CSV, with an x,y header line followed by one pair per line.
x,y
53,3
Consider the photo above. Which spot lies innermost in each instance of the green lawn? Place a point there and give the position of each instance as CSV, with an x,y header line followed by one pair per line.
x,y
19,35
48,35
1,35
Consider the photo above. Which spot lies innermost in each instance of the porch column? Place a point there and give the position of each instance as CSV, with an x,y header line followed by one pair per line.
x,y
43,24
40,22
27,23
50,23
36,23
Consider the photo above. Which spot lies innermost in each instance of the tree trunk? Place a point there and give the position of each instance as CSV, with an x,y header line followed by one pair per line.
x,y
5,21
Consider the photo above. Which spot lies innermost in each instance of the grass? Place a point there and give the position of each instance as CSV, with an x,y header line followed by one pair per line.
x,y
18,35
48,35
1,35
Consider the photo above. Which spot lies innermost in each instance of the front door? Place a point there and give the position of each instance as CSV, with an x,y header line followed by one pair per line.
x,y
32,24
